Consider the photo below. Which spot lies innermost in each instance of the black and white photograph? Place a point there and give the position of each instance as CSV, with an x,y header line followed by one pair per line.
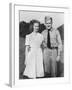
x,y
39,53
41,44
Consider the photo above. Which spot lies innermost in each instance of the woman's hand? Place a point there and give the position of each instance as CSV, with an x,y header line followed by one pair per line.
x,y
58,58
44,45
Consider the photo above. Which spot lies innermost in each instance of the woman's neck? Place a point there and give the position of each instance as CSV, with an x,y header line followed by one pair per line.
x,y
35,32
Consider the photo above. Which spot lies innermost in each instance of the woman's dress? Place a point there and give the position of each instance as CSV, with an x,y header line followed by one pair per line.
x,y
34,59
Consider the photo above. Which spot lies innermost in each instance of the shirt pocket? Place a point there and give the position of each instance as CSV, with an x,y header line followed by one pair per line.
x,y
53,42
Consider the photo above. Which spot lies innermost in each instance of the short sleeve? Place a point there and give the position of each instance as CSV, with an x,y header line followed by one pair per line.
x,y
43,42
27,40
59,40
42,37
43,33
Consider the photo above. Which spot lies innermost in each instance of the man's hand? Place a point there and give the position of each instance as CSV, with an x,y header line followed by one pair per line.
x,y
58,58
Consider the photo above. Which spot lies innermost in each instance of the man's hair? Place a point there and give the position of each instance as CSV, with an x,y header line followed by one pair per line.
x,y
48,18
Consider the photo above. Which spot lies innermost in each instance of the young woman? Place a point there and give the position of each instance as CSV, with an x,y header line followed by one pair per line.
x,y
34,57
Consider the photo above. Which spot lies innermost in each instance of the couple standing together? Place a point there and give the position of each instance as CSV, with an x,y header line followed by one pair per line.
x,y
42,50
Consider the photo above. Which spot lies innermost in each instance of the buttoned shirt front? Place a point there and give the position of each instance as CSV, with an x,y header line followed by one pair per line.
x,y
55,38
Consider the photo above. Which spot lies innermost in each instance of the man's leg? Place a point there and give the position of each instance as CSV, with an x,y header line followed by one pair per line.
x,y
53,63
46,62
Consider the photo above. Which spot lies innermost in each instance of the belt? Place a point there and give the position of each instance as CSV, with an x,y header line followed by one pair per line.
x,y
53,47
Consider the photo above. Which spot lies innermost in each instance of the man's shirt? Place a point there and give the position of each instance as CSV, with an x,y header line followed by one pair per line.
x,y
55,38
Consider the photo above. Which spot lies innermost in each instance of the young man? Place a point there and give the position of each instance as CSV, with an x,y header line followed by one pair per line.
x,y
53,47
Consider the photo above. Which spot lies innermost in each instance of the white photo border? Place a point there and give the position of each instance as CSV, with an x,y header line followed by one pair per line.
x,y
14,62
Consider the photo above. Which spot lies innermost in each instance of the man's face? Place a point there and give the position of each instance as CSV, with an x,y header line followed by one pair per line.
x,y
48,24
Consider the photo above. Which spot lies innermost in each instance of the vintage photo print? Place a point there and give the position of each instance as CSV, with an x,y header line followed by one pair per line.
x,y
41,44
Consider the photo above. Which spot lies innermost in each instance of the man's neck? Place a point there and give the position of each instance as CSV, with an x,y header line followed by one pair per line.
x,y
50,29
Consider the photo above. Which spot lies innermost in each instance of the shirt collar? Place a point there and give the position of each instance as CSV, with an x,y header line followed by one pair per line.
x,y
50,30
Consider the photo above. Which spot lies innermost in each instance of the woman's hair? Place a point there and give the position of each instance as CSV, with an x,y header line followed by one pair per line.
x,y
32,23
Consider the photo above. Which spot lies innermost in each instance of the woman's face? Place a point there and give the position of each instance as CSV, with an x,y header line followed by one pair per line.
x,y
36,27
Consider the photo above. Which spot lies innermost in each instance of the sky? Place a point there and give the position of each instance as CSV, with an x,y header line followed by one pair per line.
x,y
27,16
